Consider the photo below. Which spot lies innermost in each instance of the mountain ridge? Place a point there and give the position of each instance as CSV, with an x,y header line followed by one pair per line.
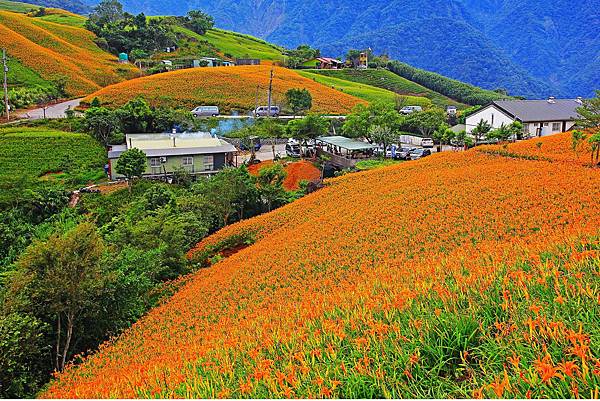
x,y
536,49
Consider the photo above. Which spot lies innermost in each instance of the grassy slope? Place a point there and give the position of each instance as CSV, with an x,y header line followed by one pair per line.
x,y
17,7
235,45
360,90
227,87
53,50
390,81
29,153
426,279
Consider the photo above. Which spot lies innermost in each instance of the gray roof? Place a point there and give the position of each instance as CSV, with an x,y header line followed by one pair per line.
x,y
540,110
225,148
345,143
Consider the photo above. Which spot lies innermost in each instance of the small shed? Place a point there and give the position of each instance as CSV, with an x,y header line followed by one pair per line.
x,y
247,61
344,152
123,58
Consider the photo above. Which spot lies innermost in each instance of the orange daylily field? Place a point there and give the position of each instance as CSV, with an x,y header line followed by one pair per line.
x,y
469,274
60,51
226,87
302,170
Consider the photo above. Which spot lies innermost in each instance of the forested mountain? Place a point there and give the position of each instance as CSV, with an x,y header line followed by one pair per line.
x,y
75,6
534,48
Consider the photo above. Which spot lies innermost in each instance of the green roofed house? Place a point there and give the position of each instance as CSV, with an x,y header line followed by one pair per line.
x,y
344,152
198,153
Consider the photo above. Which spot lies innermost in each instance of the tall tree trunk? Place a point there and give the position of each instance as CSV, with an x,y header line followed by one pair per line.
x,y
57,357
70,319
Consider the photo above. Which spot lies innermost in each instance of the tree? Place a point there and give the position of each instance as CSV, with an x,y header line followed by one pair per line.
x,y
107,12
228,192
308,128
382,135
135,116
63,278
270,184
427,121
577,137
199,22
594,142
363,119
270,129
443,134
131,164
101,123
481,130
506,132
299,100
589,113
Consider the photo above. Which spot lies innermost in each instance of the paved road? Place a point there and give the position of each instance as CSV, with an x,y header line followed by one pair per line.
x,y
53,111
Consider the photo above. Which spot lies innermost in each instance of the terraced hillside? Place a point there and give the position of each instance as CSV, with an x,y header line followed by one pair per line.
x,y
388,80
49,50
35,155
368,92
426,279
227,87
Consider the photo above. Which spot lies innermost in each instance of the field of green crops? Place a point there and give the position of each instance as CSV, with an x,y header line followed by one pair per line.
x,y
35,155
388,80
360,90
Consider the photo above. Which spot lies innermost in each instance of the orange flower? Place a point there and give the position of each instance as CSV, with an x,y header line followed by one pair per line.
x,y
569,368
546,369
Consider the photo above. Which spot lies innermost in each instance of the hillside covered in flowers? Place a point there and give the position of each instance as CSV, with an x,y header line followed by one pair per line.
x,y
468,274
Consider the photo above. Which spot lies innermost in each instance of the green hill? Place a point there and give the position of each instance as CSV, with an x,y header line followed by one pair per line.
x,y
391,82
338,80
232,45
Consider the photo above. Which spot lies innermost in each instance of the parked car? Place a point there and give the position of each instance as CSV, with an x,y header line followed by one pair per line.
x,y
263,111
427,142
404,153
410,109
419,153
292,150
206,111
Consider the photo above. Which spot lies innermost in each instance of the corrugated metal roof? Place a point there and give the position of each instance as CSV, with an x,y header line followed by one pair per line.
x,y
540,110
345,143
179,151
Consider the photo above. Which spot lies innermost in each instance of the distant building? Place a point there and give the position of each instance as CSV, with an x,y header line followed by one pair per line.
x,y
324,63
539,117
363,60
123,58
198,153
247,61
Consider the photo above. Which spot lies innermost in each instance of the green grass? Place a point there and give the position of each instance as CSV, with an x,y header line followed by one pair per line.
x,y
360,90
376,163
17,7
20,75
388,80
64,19
28,155
242,46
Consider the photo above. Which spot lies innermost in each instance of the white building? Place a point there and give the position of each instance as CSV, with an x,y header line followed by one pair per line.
x,y
539,117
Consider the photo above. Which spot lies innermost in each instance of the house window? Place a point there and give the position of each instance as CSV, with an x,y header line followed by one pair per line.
x,y
208,163
155,162
555,127
492,119
188,161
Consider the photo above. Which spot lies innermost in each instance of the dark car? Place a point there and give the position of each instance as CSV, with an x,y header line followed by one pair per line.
x,y
404,153
419,153
255,141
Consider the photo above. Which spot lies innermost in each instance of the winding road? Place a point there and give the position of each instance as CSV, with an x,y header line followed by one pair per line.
x,y
53,111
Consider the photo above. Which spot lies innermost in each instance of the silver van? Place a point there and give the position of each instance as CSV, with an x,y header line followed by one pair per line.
x,y
410,109
206,111
263,111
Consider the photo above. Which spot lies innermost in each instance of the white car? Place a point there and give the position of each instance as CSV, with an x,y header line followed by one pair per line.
x,y
410,109
206,111
427,142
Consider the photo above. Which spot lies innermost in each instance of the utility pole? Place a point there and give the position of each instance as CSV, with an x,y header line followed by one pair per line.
x,y
270,92
5,69
256,101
